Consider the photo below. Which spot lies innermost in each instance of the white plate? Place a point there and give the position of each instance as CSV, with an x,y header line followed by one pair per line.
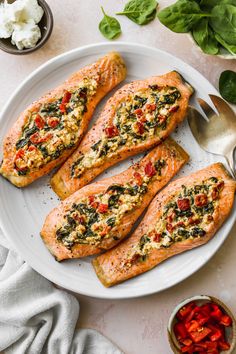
x,y
23,210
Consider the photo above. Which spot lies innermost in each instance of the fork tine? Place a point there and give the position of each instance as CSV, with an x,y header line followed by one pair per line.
x,y
209,112
195,117
222,107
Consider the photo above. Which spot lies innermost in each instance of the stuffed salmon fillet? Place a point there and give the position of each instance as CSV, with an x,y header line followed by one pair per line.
x,y
50,129
186,214
101,214
139,116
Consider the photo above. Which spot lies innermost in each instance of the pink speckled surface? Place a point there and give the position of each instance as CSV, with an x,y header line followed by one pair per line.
x,y
137,326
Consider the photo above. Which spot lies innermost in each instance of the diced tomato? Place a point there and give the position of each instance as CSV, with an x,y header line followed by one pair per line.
x,y
39,121
180,224
192,326
173,109
151,106
206,309
94,205
216,313
111,131
80,219
138,112
140,128
149,169
180,331
185,310
201,200
187,342
202,318
226,320
171,217
187,349
138,178
66,97
91,198
157,237
36,139
200,334
32,148
62,108
169,227
193,221
216,336
223,345
102,208
19,154
210,218
53,122
183,204
192,313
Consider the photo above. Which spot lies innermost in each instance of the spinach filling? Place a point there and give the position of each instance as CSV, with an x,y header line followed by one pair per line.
x,y
85,222
129,130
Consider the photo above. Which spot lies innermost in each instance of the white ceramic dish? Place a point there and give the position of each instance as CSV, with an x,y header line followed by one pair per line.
x,y
23,210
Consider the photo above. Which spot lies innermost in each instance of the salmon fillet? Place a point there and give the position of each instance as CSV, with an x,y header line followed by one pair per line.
x,y
139,116
101,214
186,214
50,129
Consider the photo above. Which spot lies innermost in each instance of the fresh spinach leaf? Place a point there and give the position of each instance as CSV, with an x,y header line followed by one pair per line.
x,y
223,22
204,36
230,47
227,85
140,11
109,26
181,16
209,4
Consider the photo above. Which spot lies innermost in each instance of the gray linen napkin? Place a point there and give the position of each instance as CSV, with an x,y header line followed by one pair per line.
x,y
36,317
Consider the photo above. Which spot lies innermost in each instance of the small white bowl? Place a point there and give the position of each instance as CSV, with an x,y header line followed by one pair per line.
x,y
201,299
224,54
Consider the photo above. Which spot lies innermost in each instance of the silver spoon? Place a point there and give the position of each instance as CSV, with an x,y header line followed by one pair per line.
x,y
216,135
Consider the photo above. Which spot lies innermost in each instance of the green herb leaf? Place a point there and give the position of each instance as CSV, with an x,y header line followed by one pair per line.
x,y
109,26
230,47
181,16
227,85
223,22
204,36
140,11
209,4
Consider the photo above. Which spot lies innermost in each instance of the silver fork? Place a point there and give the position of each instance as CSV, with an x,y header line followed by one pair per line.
x,y
216,135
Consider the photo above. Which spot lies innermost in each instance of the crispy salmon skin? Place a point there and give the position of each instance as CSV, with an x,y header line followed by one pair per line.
x,y
50,129
101,214
186,214
139,116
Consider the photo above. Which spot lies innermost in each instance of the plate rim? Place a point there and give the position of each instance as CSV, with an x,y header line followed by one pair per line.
x,y
119,45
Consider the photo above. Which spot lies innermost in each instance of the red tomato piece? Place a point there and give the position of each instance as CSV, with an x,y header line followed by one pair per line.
x,y
226,320
173,109
201,200
91,198
180,331
151,106
200,334
185,310
169,227
53,122
62,108
140,128
216,313
36,139
138,112
102,208
223,345
192,326
161,119
19,154
66,97
39,121
187,349
183,204
138,178
192,314
32,148
157,237
111,131
149,169
187,342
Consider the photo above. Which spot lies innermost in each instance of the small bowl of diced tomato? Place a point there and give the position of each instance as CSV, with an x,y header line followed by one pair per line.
x,y
202,325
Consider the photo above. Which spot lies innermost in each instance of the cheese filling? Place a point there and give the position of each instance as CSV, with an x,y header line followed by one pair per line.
x,y
186,217
53,128
93,219
138,118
